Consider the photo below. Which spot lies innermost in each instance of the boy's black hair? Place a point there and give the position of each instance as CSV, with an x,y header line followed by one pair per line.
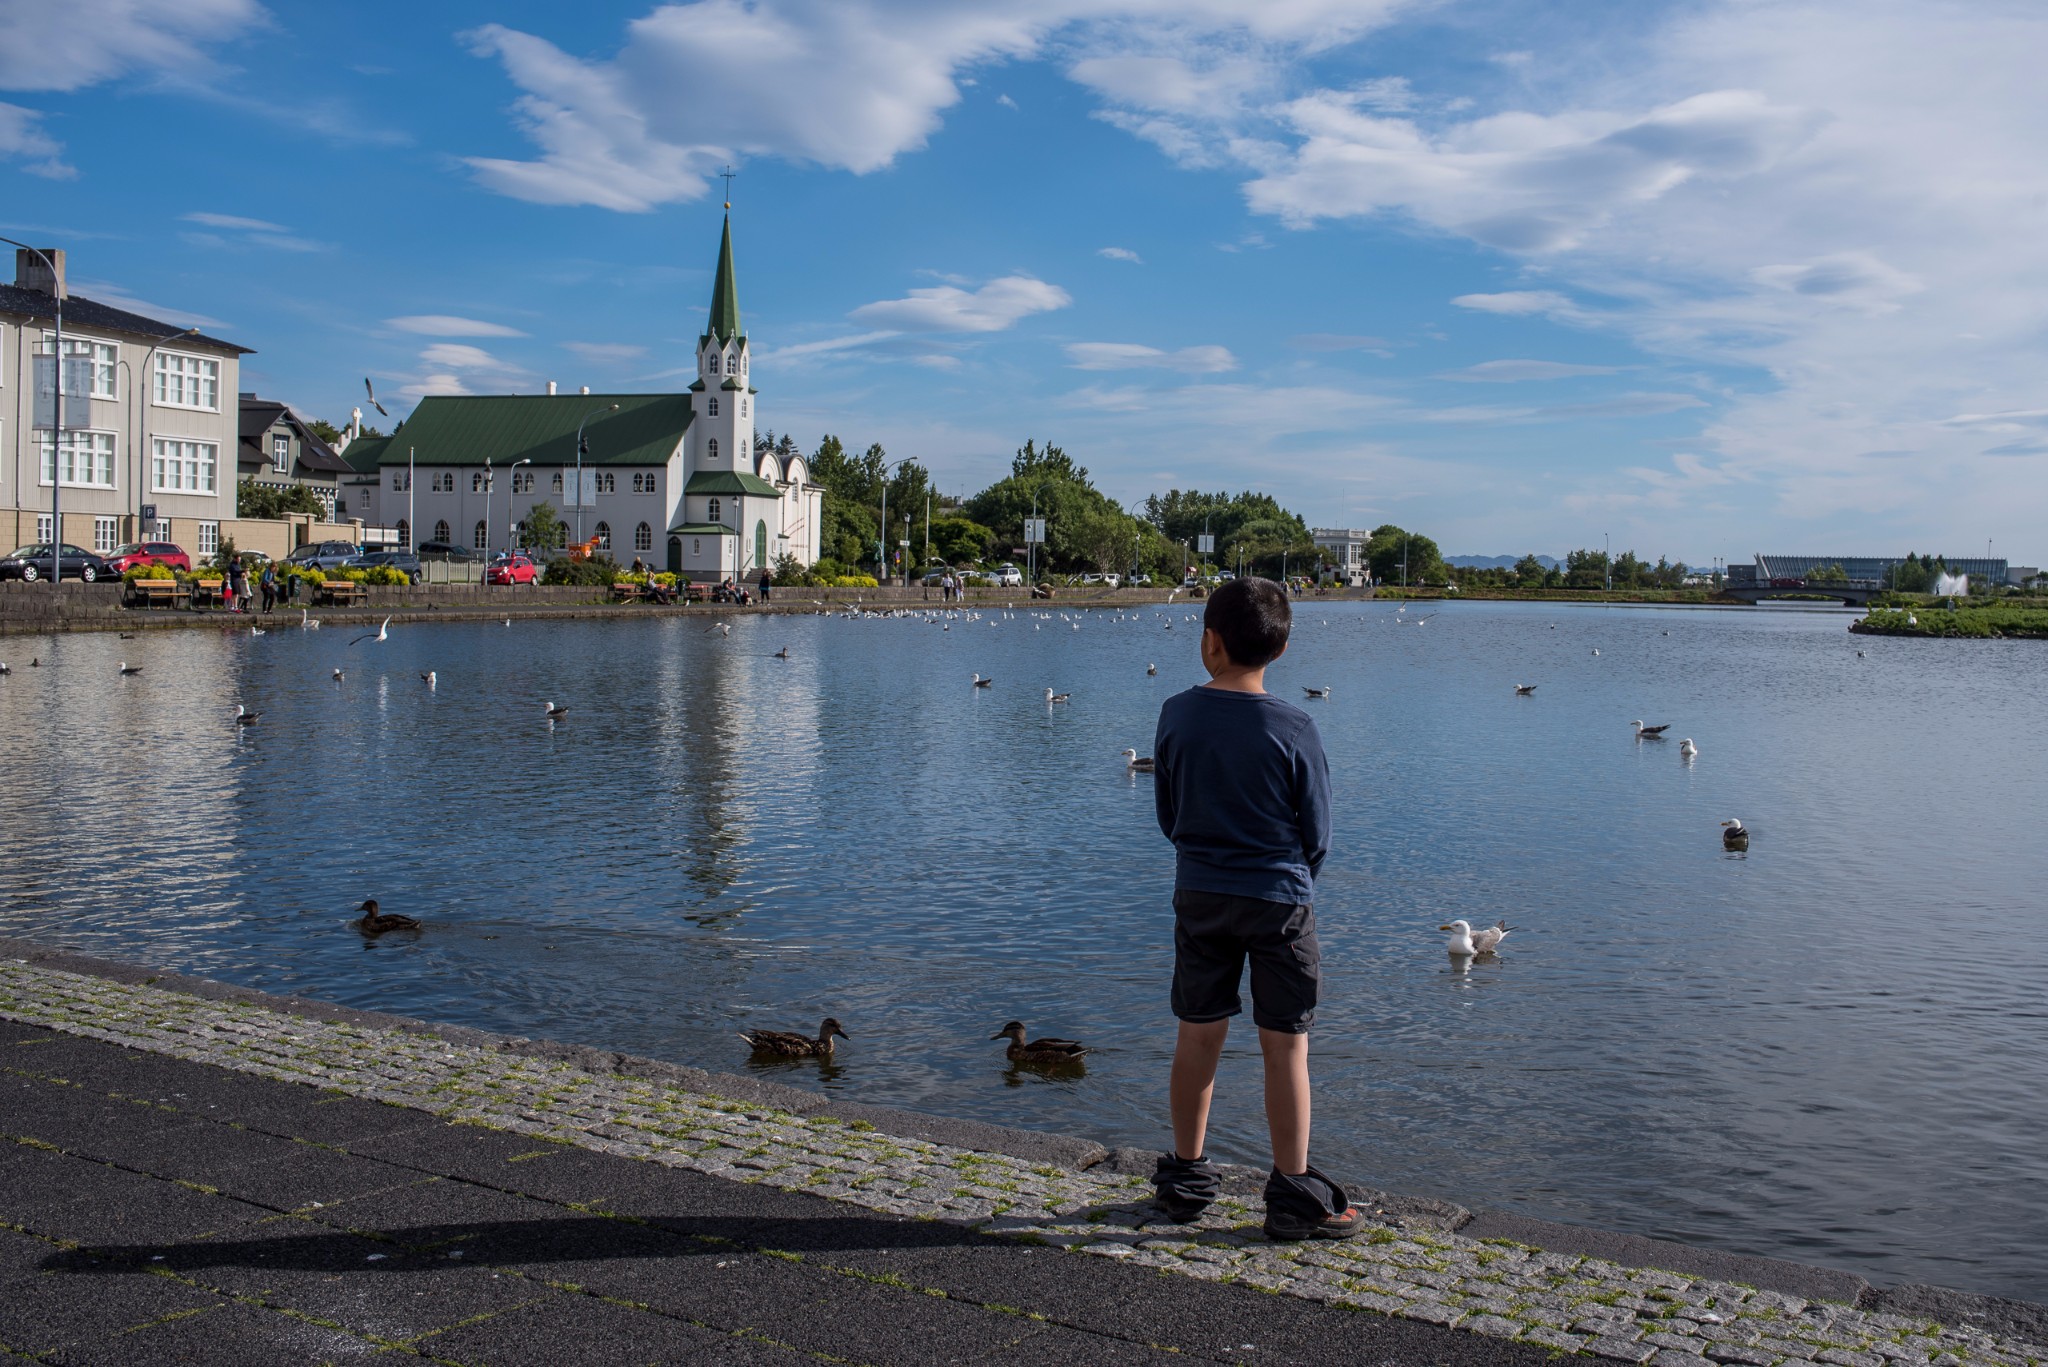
x,y
1253,618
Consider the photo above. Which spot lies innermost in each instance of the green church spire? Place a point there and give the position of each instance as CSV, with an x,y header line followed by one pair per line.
x,y
725,299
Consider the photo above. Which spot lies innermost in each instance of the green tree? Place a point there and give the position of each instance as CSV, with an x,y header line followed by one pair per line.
x,y
1529,571
1827,574
324,430
957,540
544,527
1389,545
266,501
1586,569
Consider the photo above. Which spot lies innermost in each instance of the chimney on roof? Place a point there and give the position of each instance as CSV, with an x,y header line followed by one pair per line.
x,y
31,274
584,390
551,388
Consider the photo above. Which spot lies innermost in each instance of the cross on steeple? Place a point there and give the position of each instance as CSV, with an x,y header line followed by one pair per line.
x,y
726,175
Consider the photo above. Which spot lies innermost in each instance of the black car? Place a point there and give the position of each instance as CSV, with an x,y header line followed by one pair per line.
x,y
323,555
33,562
447,552
405,561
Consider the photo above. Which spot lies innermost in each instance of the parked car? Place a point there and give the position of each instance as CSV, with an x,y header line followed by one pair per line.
x,y
1141,581
126,558
1005,577
322,555
404,561
33,562
447,551
515,569
1110,579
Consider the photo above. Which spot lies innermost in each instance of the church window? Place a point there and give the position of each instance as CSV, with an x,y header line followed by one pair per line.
x,y
607,482
643,537
743,408
712,450
482,538
714,363
404,532
604,536
711,515
714,405
558,481
476,483
696,546
442,531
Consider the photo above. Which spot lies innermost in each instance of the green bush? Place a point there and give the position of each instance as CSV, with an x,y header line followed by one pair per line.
x,y
826,570
599,571
854,581
148,572
383,574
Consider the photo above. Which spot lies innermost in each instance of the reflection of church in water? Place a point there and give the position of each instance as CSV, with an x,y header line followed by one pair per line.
x,y
673,479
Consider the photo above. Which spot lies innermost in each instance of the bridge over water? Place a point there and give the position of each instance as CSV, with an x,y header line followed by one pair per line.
x,y
1854,592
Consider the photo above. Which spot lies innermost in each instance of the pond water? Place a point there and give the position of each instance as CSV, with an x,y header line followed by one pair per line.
x,y
1829,1049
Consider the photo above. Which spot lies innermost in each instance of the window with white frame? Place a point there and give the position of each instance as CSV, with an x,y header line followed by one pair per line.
x,y
711,449
105,535
714,407
607,482
442,531
209,538
482,539
522,483
711,514
476,482
182,467
604,536
397,481
43,529
184,381
103,355
643,537
87,459
405,533
558,481
743,408
281,451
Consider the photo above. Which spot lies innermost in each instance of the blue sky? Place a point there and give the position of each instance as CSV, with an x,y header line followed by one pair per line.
x,y
1713,277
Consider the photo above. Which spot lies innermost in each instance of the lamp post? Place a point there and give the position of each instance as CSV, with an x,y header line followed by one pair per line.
x,y
608,408
57,420
486,547
882,532
1607,554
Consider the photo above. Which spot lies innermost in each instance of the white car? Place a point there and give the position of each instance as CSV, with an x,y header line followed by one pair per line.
x,y
1109,579
1005,577
1141,581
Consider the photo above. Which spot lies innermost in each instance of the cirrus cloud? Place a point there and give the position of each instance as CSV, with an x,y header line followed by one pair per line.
x,y
949,308
448,325
1193,360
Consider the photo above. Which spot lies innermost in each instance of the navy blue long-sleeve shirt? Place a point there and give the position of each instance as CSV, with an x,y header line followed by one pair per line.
x,y
1243,790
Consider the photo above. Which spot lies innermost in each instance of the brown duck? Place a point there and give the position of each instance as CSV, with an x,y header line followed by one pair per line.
x,y
789,1044
375,922
1047,1050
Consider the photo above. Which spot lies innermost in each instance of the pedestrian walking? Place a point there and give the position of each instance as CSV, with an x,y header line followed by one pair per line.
x,y
268,583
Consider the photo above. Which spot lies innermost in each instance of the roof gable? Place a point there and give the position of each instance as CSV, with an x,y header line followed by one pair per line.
x,y
91,313
503,428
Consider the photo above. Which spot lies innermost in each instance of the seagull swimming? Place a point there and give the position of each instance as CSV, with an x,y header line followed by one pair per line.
x,y
555,713
244,717
127,668
1051,696
429,678
1138,764
980,682
1322,692
337,674
1596,650
1151,669
1644,732
1467,941
1734,835
382,633
1524,690
1688,749
255,631
782,654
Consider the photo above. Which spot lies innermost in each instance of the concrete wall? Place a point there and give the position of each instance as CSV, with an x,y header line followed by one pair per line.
x,y
274,538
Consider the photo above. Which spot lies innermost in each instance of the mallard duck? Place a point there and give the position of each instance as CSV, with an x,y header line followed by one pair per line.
x,y
1734,835
375,922
1047,1050
1138,764
788,1044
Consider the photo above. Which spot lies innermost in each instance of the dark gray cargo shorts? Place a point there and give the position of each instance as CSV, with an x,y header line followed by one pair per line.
x,y
1214,933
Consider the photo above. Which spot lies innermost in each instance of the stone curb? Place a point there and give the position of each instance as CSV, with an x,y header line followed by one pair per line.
x,y
1404,1266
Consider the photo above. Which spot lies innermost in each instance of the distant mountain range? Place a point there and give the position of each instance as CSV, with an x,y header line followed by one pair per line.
x,y
1497,562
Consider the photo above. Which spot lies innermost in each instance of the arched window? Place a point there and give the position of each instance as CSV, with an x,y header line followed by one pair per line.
x,y
643,538
483,536
711,511
714,363
675,555
604,536
404,532
712,452
743,408
760,543
476,483
714,405
442,531
558,481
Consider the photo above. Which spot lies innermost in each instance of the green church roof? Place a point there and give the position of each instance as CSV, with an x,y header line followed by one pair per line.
x,y
725,299
467,429
364,453
702,529
730,482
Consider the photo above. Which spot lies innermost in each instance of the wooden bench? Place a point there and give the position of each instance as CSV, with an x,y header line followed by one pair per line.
x,y
340,592
157,592
206,591
628,593
696,593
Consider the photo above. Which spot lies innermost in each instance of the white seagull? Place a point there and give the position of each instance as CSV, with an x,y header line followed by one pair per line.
x,y
1138,764
980,682
244,717
372,395
1688,749
127,668
1734,835
1322,692
1466,941
1052,697
337,675
555,713
429,679
382,633
721,629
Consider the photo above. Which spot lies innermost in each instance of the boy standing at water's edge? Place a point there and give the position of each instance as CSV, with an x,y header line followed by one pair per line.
x,y
1243,791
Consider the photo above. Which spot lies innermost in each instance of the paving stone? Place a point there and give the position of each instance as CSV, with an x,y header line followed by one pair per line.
x,y
43,1310
229,1335
1738,1354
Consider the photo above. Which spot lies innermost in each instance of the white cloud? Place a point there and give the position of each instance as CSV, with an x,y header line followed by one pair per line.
x,y
457,368
456,356
1855,280
447,325
949,308
1502,372
107,292
829,346
1519,303
1006,102
1120,254
938,360
22,136
254,225
603,352
1341,341
1194,360
81,43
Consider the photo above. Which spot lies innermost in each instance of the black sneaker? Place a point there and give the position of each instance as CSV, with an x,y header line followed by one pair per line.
x,y
1185,1187
1309,1206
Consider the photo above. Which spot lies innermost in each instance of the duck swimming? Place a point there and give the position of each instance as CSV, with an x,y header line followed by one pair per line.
x,y
1047,1050
788,1044
375,922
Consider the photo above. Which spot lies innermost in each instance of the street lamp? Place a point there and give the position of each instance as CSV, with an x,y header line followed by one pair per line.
x,y
511,525
56,420
609,408
882,532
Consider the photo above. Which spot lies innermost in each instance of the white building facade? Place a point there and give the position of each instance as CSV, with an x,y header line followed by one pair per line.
x,y
674,480
1346,547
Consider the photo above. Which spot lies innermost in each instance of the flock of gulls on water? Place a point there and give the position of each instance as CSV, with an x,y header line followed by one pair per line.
x,y
1465,944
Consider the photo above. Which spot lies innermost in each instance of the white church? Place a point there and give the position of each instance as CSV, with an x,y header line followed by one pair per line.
x,y
672,479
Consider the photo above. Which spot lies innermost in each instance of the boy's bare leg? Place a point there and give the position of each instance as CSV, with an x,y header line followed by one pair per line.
x,y
1287,1098
1193,1083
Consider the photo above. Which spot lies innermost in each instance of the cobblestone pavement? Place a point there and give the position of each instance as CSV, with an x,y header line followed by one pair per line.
x,y
1489,1287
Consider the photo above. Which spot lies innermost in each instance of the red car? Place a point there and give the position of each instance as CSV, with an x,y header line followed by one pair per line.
x,y
515,569
125,558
